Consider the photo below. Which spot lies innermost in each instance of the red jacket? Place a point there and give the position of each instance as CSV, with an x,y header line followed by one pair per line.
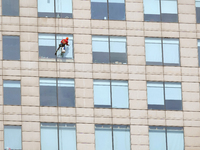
x,y
64,41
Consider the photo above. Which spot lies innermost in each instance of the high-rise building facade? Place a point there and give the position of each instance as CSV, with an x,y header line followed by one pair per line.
x,y
129,79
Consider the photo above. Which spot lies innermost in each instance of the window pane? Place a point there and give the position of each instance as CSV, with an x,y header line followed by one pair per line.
x,y
151,10
67,136
118,53
11,92
121,137
66,93
171,51
116,10
99,9
120,94
64,8
173,96
48,92
12,137
155,95
175,138
10,7
103,137
49,137
100,49
11,50
68,49
102,93
153,51
169,11
157,138
48,10
47,46
198,11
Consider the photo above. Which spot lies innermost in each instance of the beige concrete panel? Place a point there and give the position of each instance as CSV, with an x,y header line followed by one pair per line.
x,y
85,102
78,23
88,120
137,95
170,34
12,28
30,91
137,85
174,115
138,104
82,31
99,24
83,67
46,22
10,110
64,23
83,58
139,130
82,48
187,18
101,76
155,114
135,32
28,12
187,27
117,32
120,25
190,71
11,64
156,122
139,139
170,26
86,39
81,14
28,37
188,35
84,83
189,62
135,41
25,3
82,5
136,60
119,68
188,43
138,114
12,118
136,16
136,69
191,2
192,116
176,123
103,113
84,112
135,25
64,119
152,33
83,75
103,68
67,111
154,70
85,128
186,9
134,7
121,121
120,113
49,119
30,127
30,101
81,146
28,28
191,131
191,106
29,81
188,52
85,138
140,147
193,87
48,111
9,20
103,120
31,145
30,110
84,93
29,56
190,96
194,141
154,77
29,46
31,136
102,32
190,79
11,72
139,122
30,118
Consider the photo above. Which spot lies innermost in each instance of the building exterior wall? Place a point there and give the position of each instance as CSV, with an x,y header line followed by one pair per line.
x,y
29,115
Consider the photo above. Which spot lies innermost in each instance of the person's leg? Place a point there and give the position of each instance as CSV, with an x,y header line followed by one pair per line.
x,y
60,45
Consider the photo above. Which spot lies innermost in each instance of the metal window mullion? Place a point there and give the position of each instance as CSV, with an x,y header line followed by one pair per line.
x,y
166,137
54,8
108,9
160,11
109,49
112,139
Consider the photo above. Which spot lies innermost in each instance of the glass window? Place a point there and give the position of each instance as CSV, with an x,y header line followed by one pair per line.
x,y
48,46
62,9
66,93
11,92
112,93
101,8
155,95
108,137
10,7
102,93
166,95
67,136
162,51
199,51
116,10
48,95
11,50
12,137
119,94
166,138
49,136
109,49
198,11
121,137
160,10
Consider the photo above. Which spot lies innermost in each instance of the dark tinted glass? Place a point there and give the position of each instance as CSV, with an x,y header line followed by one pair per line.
x,y
10,7
152,18
173,104
48,95
169,17
99,10
101,57
66,93
63,15
117,11
12,92
198,14
118,58
11,48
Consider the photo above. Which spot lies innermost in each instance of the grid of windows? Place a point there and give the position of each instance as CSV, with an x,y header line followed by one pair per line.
x,y
60,91
166,138
55,8
109,49
112,137
47,46
12,138
160,10
108,9
164,95
162,51
111,94
58,136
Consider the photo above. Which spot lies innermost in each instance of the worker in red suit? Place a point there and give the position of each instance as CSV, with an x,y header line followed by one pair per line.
x,y
62,44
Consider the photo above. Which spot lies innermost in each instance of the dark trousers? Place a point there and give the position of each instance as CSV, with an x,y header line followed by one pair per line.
x,y
60,45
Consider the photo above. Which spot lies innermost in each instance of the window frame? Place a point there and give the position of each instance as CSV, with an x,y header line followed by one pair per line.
x,y
162,50
164,96
111,97
12,126
109,49
166,133
58,131
57,92
56,58
108,11
20,93
19,48
112,132
160,13
55,12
